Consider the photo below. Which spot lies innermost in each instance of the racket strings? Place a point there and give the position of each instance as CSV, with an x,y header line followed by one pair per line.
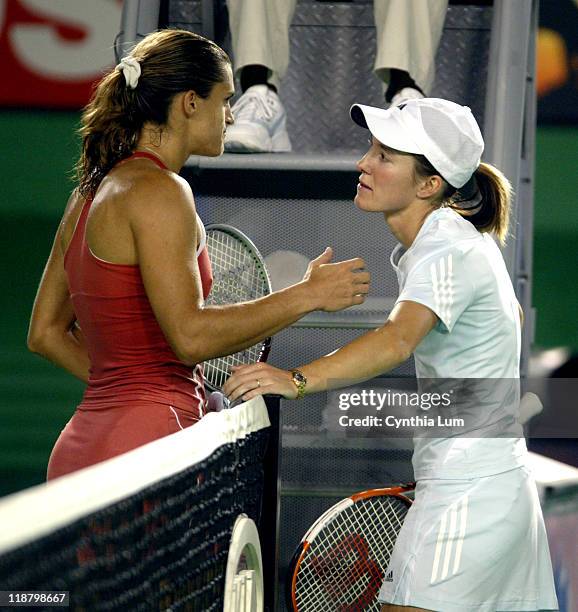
x,y
237,273
344,566
238,276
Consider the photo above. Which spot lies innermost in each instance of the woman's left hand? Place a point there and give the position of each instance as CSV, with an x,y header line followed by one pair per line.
x,y
248,381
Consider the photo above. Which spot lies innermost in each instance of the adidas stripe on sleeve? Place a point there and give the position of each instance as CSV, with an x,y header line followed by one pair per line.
x,y
441,283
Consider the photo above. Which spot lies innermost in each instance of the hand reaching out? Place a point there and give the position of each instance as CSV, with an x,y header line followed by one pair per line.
x,y
336,286
331,286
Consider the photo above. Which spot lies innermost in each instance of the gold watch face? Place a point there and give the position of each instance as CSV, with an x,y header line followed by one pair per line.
x,y
299,379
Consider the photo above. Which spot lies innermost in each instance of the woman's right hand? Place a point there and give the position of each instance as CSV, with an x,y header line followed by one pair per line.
x,y
335,286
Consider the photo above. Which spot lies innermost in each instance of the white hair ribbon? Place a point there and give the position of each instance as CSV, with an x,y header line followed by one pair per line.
x,y
130,68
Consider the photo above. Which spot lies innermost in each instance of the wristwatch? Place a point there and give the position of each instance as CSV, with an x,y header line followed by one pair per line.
x,y
300,382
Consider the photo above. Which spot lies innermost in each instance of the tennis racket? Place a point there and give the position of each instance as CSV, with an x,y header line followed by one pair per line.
x,y
239,275
341,561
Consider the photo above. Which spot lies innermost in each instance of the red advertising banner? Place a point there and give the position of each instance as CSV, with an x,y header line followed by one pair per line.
x,y
51,52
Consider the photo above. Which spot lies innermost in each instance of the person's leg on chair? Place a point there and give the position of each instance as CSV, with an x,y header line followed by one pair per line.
x,y
260,38
408,33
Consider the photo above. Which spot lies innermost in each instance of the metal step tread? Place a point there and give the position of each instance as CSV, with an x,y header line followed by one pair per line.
x,y
312,162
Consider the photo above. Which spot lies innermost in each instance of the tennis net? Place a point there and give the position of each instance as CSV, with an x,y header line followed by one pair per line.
x,y
149,530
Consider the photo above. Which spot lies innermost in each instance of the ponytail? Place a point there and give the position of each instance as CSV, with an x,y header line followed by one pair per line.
x,y
140,90
484,200
493,212
109,129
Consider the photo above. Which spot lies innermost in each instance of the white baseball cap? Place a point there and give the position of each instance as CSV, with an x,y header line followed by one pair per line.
x,y
446,133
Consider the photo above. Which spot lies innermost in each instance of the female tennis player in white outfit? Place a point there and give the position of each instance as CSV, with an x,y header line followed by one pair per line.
x,y
474,540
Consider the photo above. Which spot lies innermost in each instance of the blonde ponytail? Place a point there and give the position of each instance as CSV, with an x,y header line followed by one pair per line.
x,y
494,212
487,208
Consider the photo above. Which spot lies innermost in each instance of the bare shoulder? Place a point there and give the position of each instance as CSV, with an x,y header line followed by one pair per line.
x,y
149,193
133,200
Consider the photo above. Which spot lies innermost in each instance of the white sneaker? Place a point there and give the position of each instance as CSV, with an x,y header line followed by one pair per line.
x,y
260,123
405,94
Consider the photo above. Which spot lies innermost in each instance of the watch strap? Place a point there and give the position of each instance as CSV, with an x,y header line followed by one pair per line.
x,y
300,381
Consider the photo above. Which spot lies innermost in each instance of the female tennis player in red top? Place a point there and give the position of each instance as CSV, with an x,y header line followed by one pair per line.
x,y
120,303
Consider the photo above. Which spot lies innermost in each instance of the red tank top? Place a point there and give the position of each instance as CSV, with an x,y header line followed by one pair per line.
x,y
131,360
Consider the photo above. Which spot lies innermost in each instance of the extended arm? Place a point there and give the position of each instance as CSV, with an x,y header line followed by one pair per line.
x,y
370,355
165,233
164,226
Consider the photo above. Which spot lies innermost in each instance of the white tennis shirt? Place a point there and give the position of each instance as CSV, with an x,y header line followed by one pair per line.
x,y
460,274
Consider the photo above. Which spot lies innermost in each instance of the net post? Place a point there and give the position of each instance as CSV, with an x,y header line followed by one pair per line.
x,y
269,521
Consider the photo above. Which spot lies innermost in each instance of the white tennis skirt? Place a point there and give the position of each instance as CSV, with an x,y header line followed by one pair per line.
x,y
473,545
